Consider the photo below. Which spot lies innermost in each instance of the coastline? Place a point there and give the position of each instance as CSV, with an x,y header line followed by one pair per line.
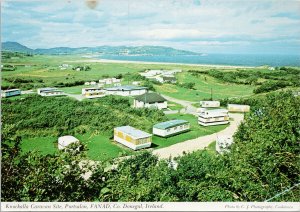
x,y
165,63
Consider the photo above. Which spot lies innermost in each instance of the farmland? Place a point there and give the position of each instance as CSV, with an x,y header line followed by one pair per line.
x,y
203,88
44,70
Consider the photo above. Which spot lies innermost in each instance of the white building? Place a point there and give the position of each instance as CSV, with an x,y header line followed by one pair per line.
x,y
223,142
127,90
172,72
65,141
87,83
213,117
166,79
109,81
209,103
136,83
93,92
161,75
170,128
271,68
93,83
100,85
49,92
10,92
151,73
132,137
238,108
64,66
150,100
115,80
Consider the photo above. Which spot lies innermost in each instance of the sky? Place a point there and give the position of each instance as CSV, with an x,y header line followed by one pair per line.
x,y
205,26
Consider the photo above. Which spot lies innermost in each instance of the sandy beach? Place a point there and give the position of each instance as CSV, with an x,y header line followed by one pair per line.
x,y
161,63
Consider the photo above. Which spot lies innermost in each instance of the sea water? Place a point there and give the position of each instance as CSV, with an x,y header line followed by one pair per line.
x,y
217,59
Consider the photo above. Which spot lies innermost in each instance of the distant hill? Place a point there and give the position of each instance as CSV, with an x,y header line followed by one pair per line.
x,y
16,47
107,50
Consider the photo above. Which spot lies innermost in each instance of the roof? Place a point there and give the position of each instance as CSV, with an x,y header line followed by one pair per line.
x,y
133,132
125,88
67,140
150,98
169,77
209,101
96,88
237,105
217,111
47,89
169,124
54,90
10,90
214,113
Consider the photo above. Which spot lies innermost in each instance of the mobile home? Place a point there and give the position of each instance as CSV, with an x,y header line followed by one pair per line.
x,y
127,90
238,108
49,92
169,128
65,141
210,103
166,79
11,92
132,137
93,92
223,142
213,117
151,73
150,100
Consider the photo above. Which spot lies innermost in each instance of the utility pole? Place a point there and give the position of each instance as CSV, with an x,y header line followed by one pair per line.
x,y
145,99
211,98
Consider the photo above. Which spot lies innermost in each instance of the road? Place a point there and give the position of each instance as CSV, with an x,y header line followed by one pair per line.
x,y
188,107
79,97
200,142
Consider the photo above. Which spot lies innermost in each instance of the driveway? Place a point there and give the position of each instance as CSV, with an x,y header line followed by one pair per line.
x,y
200,142
188,107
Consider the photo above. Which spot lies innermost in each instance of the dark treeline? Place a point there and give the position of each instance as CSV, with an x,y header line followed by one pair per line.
x,y
262,162
23,83
10,55
36,115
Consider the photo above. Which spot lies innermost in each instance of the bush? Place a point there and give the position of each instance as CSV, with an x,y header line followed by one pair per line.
x,y
263,160
270,86
187,85
69,84
7,67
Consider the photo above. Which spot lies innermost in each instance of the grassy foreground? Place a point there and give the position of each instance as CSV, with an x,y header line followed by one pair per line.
x,y
102,148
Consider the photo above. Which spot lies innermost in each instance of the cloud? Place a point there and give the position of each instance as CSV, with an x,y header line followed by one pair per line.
x,y
210,25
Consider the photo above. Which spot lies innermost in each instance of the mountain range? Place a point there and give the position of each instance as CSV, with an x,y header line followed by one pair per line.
x,y
107,50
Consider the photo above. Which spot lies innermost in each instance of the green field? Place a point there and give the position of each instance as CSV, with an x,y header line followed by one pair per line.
x,y
45,145
101,147
195,131
174,106
204,86
46,68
